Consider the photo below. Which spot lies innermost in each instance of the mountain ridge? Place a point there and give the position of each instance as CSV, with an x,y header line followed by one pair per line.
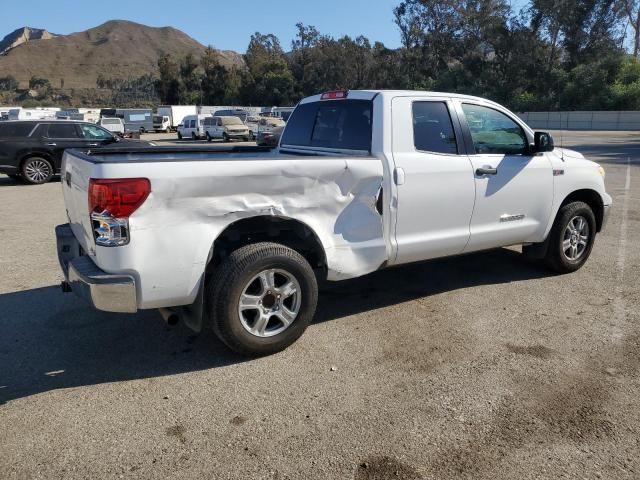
x,y
24,35
117,49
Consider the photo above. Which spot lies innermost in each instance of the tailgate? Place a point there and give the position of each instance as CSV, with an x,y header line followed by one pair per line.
x,y
75,175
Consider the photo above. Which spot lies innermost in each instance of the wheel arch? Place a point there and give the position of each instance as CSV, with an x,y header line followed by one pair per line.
x,y
288,231
36,153
591,198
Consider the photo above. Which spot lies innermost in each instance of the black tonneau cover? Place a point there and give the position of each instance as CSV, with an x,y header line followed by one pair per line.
x,y
145,153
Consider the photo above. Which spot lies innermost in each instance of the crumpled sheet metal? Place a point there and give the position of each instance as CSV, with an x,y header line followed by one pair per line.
x,y
334,196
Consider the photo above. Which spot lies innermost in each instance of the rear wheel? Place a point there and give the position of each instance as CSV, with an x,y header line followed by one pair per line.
x,y
571,238
262,298
36,170
193,136
208,137
179,136
252,136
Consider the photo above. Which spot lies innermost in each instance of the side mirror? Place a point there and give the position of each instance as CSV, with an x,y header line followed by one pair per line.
x,y
543,142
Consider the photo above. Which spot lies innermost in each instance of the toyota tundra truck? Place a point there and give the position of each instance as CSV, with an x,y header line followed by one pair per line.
x,y
236,241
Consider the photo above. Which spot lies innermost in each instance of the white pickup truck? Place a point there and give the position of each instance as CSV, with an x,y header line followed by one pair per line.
x,y
237,240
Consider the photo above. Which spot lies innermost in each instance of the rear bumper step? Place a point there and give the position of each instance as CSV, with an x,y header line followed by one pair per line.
x,y
107,292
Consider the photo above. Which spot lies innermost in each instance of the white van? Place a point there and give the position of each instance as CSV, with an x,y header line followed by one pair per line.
x,y
192,126
113,124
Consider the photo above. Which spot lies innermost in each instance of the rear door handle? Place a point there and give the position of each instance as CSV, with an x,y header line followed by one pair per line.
x,y
52,145
486,170
93,144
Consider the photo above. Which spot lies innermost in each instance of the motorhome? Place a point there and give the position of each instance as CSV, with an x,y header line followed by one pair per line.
x,y
136,119
39,113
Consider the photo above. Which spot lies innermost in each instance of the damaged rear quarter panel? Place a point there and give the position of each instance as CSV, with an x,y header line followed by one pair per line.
x,y
192,203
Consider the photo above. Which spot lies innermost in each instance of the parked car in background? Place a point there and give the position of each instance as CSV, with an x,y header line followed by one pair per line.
x,y
112,124
192,126
176,114
226,129
269,138
32,150
236,112
263,124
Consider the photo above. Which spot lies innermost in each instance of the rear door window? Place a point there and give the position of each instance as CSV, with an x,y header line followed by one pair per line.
x,y
15,129
63,130
433,129
337,124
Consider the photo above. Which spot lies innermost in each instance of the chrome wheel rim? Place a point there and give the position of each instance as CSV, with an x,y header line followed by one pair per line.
x,y
269,303
576,238
37,170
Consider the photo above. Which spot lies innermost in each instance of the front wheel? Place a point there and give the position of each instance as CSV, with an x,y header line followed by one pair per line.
x,y
208,137
225,137
179,136
571,238
262,298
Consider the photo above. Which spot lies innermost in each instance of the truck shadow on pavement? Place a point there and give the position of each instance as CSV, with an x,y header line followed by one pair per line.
x,y
49,340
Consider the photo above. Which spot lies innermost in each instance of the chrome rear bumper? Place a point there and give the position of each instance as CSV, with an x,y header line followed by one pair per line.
x,y
107,292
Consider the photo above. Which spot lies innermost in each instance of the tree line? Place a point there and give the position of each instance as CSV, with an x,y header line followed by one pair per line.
x,y
549,55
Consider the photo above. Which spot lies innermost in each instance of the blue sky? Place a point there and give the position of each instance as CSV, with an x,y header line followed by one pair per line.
x,y
224,24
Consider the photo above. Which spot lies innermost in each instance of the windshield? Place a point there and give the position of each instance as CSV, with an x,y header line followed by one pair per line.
x,y
157,119
231,121
338,124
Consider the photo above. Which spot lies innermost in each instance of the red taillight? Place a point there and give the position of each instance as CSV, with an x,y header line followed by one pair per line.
x,y
120,197
335,95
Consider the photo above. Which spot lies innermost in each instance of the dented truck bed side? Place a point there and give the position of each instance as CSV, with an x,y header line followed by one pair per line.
x,y
191,205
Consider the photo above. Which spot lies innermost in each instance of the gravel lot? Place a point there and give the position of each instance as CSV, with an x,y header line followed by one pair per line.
x,y
474,367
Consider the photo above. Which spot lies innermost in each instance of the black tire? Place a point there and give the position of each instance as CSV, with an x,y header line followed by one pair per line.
x,y
193,136
252,137
142,130
208,137
36,171
225,138
179,136
556,258
234,275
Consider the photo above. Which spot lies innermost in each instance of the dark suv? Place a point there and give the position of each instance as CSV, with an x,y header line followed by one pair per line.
x,y
32,150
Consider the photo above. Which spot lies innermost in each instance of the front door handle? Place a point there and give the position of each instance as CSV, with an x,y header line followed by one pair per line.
x,y
486,170
93,144
398,176
52,145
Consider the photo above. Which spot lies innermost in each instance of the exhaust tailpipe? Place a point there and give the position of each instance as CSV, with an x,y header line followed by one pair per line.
x,y
170,317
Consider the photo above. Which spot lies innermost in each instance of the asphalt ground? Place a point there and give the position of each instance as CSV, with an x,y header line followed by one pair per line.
x,y
480,366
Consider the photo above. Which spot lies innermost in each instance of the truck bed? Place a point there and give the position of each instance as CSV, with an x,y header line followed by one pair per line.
x,y
147,154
